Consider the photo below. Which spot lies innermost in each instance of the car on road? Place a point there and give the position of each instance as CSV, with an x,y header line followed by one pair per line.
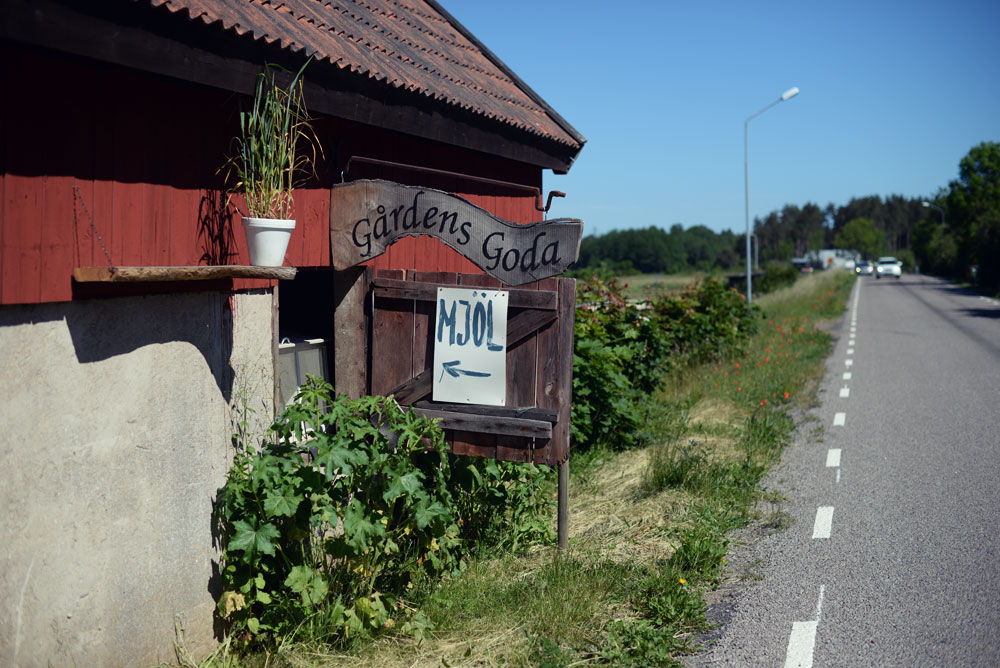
x,y
888,266
864,268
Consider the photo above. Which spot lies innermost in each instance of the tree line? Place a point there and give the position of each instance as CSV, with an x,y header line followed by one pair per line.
x,y
656,251
955,233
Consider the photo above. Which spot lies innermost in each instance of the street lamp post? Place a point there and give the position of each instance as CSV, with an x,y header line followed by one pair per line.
x,y
934,206
790,93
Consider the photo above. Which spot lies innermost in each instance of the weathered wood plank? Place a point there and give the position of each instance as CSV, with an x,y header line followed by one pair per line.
x,y
415,389
193,273
427,291
423,318
525,324
392,341
558,452
487,424
350,331
528,413
368,216
473,444
522,325
546,396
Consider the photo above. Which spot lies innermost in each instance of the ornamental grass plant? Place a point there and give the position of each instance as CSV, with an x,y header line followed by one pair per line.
x,y
276,145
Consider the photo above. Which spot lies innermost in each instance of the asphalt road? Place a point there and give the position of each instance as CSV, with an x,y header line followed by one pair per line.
x,y
893,486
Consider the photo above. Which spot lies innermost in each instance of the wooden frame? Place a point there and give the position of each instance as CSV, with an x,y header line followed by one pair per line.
x,y
395,311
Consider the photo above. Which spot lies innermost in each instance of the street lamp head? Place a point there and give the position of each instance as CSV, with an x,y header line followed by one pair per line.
x,y
790,93
926,204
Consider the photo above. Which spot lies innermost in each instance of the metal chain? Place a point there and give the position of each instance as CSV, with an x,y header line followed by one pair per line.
x,y
76,196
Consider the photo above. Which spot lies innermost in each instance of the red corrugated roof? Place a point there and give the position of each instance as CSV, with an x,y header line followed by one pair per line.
x,y
409,44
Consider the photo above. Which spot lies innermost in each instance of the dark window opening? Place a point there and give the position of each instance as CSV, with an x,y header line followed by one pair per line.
x,y
305,330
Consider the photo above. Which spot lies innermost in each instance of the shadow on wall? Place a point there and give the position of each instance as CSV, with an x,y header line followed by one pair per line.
x,y
103,329
215,229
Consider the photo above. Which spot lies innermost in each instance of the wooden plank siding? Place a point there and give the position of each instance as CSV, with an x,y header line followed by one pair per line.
x,y
94,154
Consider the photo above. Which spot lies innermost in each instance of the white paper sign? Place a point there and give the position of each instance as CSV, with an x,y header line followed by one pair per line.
x,y
470,346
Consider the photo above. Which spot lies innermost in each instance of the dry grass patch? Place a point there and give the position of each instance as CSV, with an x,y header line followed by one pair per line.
x,y
486,649
610,515
712,413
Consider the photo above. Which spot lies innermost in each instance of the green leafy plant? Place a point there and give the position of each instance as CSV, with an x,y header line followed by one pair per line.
x,y
501,504
639,643
622,351
707,321
330,521
275,146
701,551
777,275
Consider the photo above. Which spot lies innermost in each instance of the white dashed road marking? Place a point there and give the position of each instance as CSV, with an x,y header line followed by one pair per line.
x,y
802,641
801,644
824,522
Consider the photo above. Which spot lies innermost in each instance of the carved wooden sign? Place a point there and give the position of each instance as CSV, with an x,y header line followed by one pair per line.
x,y
368,216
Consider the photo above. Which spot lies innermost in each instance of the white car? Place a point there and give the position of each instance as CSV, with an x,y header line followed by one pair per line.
x,y
864,268
888,266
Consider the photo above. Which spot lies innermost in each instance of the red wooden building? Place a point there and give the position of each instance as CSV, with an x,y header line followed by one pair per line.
x,y
115,118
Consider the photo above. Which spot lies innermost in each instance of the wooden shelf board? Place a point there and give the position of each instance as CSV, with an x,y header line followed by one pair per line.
x,y
194,273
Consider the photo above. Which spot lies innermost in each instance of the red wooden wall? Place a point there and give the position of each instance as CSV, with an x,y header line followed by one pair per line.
x,y
144,153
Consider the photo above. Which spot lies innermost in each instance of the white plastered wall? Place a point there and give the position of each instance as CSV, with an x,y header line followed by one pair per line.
x,y
115,425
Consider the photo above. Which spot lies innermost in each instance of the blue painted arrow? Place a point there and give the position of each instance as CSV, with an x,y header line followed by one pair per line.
x,y
452,369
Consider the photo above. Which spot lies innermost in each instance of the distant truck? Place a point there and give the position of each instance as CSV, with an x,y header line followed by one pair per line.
x,y
828,258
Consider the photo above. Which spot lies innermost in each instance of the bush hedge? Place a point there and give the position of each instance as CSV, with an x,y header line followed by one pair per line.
x,y
623,350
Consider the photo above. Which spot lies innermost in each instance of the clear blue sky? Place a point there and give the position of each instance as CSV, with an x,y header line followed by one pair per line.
x,y
894,94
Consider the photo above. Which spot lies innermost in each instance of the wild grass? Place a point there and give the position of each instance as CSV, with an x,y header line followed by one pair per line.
x,y
641,286
648,527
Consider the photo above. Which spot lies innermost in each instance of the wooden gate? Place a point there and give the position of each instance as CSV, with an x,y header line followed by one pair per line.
x,y
534,424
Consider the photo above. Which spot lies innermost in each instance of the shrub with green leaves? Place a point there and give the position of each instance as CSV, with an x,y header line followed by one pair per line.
x,y
707,320
620,356
333,517
501,504
622,351
777,275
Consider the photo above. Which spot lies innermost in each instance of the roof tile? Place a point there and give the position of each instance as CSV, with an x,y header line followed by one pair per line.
x,y
403,43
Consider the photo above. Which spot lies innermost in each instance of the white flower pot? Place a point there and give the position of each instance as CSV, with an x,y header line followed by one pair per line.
x,y
267,239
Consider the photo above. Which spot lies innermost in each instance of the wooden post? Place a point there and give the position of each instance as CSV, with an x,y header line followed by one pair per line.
x,y
350,338
562,522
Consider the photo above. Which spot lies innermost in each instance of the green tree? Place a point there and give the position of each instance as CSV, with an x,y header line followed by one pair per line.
x,y
973,206
861,235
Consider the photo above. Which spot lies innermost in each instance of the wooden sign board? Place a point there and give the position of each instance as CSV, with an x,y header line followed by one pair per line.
x,y
368,216
470,346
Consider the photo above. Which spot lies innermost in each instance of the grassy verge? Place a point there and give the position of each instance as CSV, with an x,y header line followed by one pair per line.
x,y
648,527
641,286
